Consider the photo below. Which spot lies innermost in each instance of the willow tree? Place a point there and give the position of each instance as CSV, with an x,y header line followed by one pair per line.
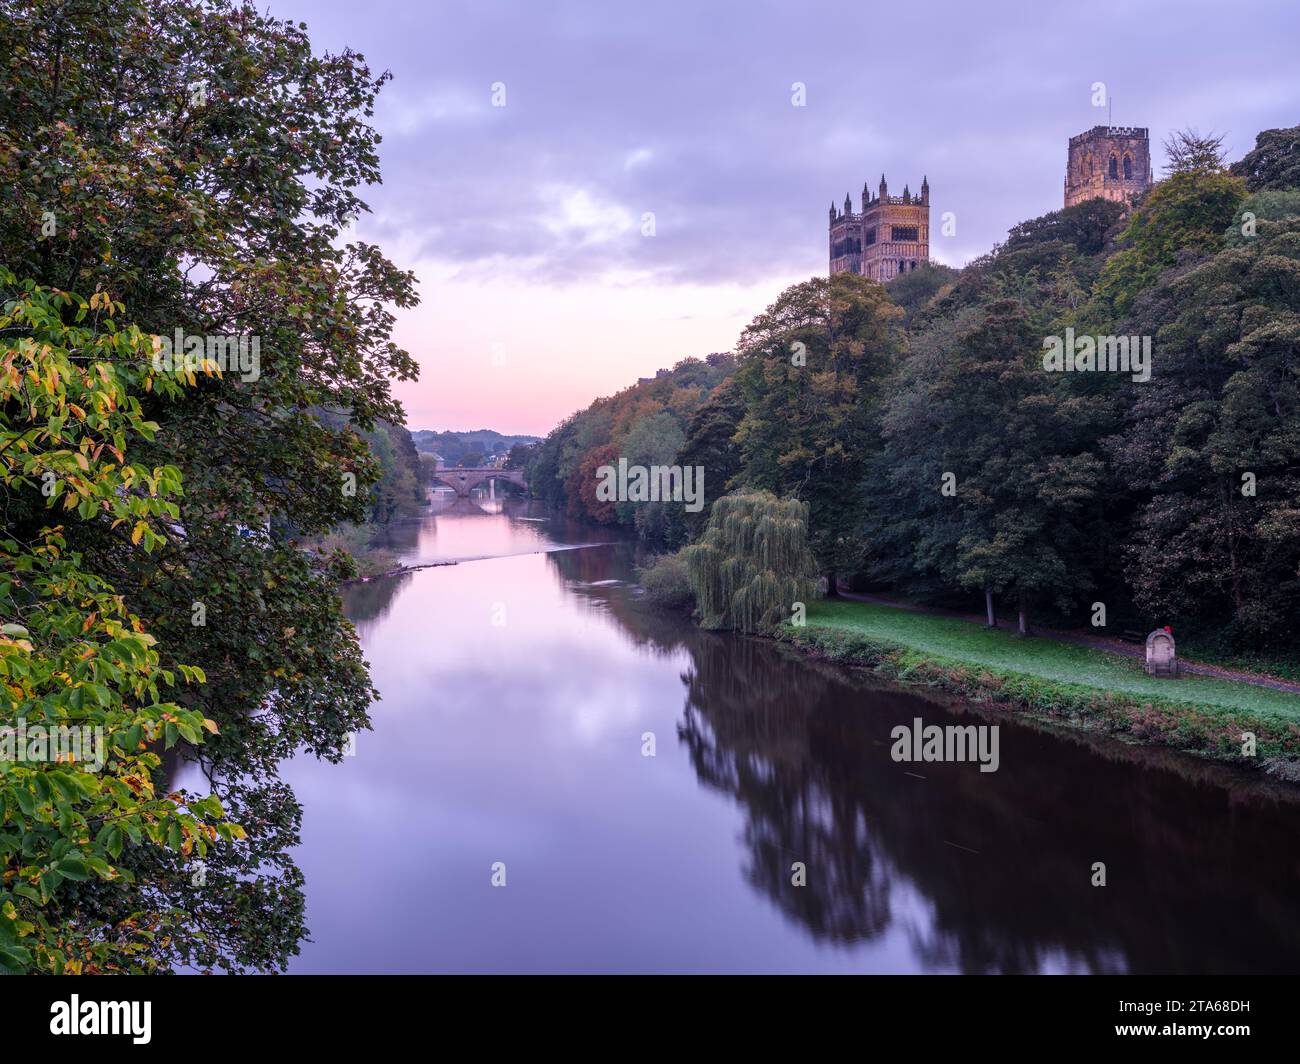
x,y
753,562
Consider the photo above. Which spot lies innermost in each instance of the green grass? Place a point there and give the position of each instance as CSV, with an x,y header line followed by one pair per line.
x,y
1210,650
943,640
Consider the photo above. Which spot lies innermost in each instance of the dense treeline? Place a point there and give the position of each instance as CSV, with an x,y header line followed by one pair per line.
x,y
400,489
468,448
940,456
647,424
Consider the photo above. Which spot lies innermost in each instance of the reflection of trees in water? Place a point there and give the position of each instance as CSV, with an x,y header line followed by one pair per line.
x,y
981,872
401,536
804,748
745,729
369,601
584,574
457,505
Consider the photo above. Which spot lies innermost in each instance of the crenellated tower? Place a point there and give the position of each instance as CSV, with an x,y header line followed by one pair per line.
x,y
1108,162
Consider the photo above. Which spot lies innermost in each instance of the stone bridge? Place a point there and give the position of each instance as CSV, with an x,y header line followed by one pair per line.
x,y
463,481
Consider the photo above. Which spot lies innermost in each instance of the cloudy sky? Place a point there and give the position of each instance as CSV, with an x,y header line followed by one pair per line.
x,y
527,223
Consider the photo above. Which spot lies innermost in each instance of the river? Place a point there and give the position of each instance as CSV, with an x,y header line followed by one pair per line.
x,y
518,691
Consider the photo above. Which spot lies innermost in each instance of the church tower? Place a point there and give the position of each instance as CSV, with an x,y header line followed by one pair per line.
x,y
890,235
1108,162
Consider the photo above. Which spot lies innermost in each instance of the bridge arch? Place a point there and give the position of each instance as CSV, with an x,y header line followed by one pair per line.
x,y
464,480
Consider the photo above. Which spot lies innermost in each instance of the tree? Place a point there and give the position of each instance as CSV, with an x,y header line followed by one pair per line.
x,y
520,455
1084,227
709,446
1273,165
914,289
643,424
73,659
200,163
1183,216
1213,443
652,440
810,375
752,565
988,468
1190,152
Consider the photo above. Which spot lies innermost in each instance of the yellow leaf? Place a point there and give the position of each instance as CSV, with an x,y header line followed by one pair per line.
x,y
138,532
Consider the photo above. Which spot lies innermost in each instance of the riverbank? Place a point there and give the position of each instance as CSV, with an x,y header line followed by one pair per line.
x,y
1084,687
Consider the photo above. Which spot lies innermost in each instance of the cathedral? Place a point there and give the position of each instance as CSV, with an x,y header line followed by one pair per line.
x,y
889,236
1108,162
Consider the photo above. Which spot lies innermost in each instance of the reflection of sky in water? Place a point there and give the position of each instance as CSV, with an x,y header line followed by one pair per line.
x,y
521,742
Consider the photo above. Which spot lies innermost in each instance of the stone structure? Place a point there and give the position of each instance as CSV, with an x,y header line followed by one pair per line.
x,y
1108,162
890,235
1162,660
465,480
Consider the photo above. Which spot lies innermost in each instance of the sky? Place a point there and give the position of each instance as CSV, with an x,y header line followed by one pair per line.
x,y
590,191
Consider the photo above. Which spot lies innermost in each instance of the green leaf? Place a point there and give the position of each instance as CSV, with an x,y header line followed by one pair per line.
x,y
74,868
15,959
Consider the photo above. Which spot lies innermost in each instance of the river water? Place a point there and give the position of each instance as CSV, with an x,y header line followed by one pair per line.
x,y
517,694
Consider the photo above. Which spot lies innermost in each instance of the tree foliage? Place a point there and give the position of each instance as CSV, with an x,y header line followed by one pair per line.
x,y
1181,217
753,564
201,165
1213,444
1068,488
1273,165
645,424
72,655
811,372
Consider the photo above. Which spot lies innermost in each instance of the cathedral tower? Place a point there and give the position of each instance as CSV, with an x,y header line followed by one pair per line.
x,y
1108,162
891,234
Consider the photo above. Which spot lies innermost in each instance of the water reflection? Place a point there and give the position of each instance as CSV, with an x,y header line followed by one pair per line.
x,y
1003,861
521,742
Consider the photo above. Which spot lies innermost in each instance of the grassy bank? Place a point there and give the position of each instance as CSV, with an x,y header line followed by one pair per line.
x,y
1081,686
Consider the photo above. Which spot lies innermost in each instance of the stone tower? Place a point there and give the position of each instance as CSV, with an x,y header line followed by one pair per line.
x,y
1108,162
888,237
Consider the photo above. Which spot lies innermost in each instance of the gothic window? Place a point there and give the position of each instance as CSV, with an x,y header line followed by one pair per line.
x,y
871,236
905,232
1128,169
1114,167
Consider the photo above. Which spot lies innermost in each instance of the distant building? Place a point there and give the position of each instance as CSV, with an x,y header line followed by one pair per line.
x,y
1108,162
890,235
